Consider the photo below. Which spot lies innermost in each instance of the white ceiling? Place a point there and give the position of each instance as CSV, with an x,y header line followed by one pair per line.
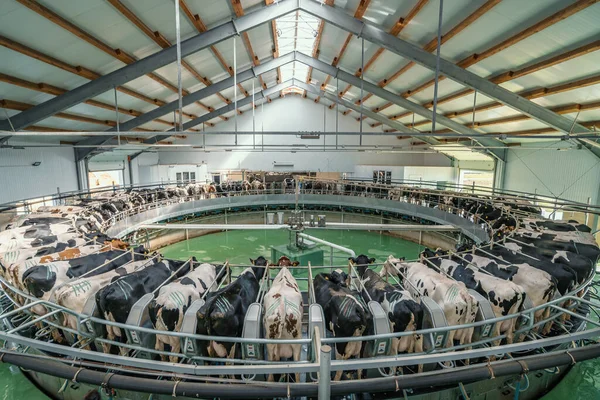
x,y
298,32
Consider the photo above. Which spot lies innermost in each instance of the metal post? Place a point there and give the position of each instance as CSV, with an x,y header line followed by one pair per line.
x,y
362,70
474,105
253,120
325,372
262,123
589,202
117,117
437,68
331,256
178,33
324,125
337,113
235,87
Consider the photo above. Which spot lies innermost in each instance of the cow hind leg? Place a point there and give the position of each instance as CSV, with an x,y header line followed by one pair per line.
x,y
271,357
175,348
296,351
160,346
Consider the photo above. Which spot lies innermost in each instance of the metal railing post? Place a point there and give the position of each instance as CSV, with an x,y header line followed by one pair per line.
x,y
325,373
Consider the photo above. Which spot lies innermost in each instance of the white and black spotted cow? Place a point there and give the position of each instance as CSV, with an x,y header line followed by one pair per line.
x,y
74,294
116,299
40,280
167,310
404,313
283,317
458,305
506,297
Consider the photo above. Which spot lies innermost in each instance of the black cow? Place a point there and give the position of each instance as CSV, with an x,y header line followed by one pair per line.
x,y
224,311
116,300
404,313
550,242
559,226
41,279
346,315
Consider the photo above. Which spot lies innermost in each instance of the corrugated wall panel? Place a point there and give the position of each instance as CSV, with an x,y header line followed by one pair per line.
x,y
19,179
571,174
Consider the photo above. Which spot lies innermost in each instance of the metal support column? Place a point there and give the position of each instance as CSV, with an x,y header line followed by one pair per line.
x,y
253,119
235,88
362,69
437,68
325,373
117,117
179,90
337,113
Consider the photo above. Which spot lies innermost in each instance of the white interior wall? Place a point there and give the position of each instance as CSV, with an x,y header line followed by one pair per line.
x,y
292,114
19,179
569,174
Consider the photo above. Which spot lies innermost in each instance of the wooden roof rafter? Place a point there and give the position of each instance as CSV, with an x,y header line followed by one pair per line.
x,y
527,32
87,37
161,41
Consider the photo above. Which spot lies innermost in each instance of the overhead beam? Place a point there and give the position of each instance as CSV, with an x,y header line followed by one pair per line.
x,y
55,91
187,100
359,13
201,28
148,64
432,45
161,41
395,31
424,58
238,9
348,104
524,34
316,46
119,54
402,102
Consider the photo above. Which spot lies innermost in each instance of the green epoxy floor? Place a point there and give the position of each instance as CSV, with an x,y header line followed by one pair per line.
x,y
583,382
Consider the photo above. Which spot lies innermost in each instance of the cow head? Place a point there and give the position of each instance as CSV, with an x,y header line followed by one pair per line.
x,y
260,265
392,265
361,262
505,223
462,247
286,262
339,277
427,253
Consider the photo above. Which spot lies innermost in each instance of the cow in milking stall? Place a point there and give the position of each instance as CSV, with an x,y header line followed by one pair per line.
x,y
74,294
404,313
557,226
458,305
539,285
506,297
116,300
346,315
35,231
285,261
41,279
168,308
29,243
224,311
17,269
283,316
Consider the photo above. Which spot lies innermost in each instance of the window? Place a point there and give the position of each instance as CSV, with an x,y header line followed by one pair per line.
x,y
185,177
105,178
382,177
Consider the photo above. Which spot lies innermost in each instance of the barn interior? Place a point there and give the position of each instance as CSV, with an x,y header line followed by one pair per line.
x,y
357,101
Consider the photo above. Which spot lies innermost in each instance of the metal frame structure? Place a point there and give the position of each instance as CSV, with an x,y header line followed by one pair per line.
x,y
335,17
21,317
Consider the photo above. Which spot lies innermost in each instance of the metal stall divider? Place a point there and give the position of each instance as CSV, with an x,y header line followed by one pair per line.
x,y
433,318
316,323
190,347
87,326
381,326
253,328
58,318
139,316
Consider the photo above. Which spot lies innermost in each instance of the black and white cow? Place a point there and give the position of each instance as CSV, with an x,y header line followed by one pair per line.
x,y
224,311
35,231
40,280
346,315
22,243
75,294
552,242
116,300
557,226
539,285
458,305
404,313
167,310
506,297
